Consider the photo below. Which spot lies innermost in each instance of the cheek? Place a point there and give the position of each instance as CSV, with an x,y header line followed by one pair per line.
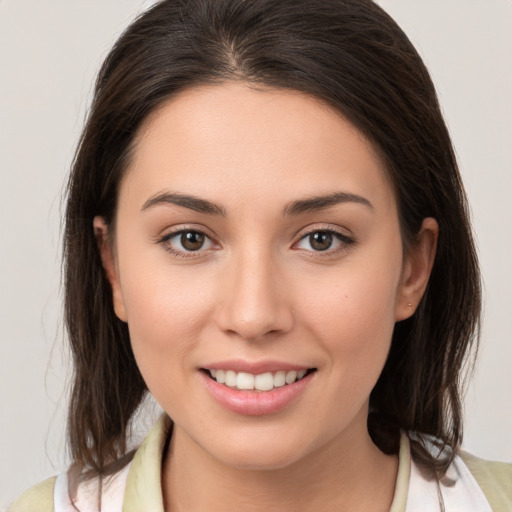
x,y
166,307
353,317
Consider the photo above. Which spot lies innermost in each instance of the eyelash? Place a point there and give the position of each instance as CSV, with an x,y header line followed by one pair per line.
x,y
344,240
165,241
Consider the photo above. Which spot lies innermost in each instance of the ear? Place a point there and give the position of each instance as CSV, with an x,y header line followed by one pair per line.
x,y
416,269
109,264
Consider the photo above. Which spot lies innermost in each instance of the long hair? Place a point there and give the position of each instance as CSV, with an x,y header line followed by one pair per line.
x,y
351,55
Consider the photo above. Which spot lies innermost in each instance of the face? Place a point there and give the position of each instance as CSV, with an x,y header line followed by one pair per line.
x,y
259,265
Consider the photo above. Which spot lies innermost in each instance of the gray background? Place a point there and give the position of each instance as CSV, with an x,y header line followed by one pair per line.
x,y
49,53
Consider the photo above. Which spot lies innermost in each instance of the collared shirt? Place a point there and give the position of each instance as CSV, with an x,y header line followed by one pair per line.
x,y
137,487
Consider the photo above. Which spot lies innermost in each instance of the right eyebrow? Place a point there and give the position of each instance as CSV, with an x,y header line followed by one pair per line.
x,y
187,201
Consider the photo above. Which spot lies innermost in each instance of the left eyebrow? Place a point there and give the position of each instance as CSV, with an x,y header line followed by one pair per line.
x,y
316,203
187,201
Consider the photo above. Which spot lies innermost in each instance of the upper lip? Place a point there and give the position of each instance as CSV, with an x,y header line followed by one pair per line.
x,y
254,367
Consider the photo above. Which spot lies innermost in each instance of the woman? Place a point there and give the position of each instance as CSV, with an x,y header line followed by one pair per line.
x,y
267,231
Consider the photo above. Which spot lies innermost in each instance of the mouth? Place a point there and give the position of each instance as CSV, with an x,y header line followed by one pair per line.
x,y
244,381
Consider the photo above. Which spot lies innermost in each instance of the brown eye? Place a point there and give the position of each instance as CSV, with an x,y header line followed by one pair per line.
x,y
192,240
324,240
187,242
320,240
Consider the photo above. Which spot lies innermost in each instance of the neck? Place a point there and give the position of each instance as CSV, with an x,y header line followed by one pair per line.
x,y
337,476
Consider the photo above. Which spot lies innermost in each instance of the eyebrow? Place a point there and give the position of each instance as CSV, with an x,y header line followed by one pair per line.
x,y
298,207
185,200
316,203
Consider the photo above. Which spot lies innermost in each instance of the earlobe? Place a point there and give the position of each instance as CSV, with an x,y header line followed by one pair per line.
x,y
417,267
109,265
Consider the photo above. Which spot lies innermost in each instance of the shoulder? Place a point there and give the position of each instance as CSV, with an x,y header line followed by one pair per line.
x,y
134,485
39,497
494,478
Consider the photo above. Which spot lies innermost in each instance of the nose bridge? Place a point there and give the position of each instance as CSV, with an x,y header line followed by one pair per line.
x,y
254,303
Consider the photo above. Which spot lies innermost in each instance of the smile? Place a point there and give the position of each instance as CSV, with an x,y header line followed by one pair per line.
x,y
267,381
261,389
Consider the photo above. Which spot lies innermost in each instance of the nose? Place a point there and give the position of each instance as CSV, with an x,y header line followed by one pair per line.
x,y
254,303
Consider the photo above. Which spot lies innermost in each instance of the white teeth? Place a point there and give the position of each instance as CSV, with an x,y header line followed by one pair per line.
x,y
291,376
262,382
245,381
231,378
279,379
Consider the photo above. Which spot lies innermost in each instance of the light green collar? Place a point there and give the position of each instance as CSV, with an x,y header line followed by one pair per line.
x,y
403,476
144,483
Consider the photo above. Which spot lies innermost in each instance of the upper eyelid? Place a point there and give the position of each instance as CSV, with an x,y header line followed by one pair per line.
x,y
343,232
170,232
327,230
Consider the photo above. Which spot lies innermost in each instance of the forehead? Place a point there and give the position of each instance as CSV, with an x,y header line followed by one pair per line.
x,y
232,141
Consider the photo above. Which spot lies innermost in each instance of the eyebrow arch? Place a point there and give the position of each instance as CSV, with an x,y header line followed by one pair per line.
x,y
320,202
185,200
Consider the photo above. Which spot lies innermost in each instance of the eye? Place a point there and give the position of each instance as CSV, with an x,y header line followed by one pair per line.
x,y
186,241
324,240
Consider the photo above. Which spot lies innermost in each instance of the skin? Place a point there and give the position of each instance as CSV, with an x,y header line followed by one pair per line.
x,y
257,289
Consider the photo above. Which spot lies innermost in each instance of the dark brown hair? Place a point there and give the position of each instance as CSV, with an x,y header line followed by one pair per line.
x,y
350,54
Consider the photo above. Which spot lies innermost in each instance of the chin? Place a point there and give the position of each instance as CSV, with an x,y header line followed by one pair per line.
x,y
261,450
268,459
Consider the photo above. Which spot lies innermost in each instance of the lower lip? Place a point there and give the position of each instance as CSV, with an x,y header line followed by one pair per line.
x,y
255,403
